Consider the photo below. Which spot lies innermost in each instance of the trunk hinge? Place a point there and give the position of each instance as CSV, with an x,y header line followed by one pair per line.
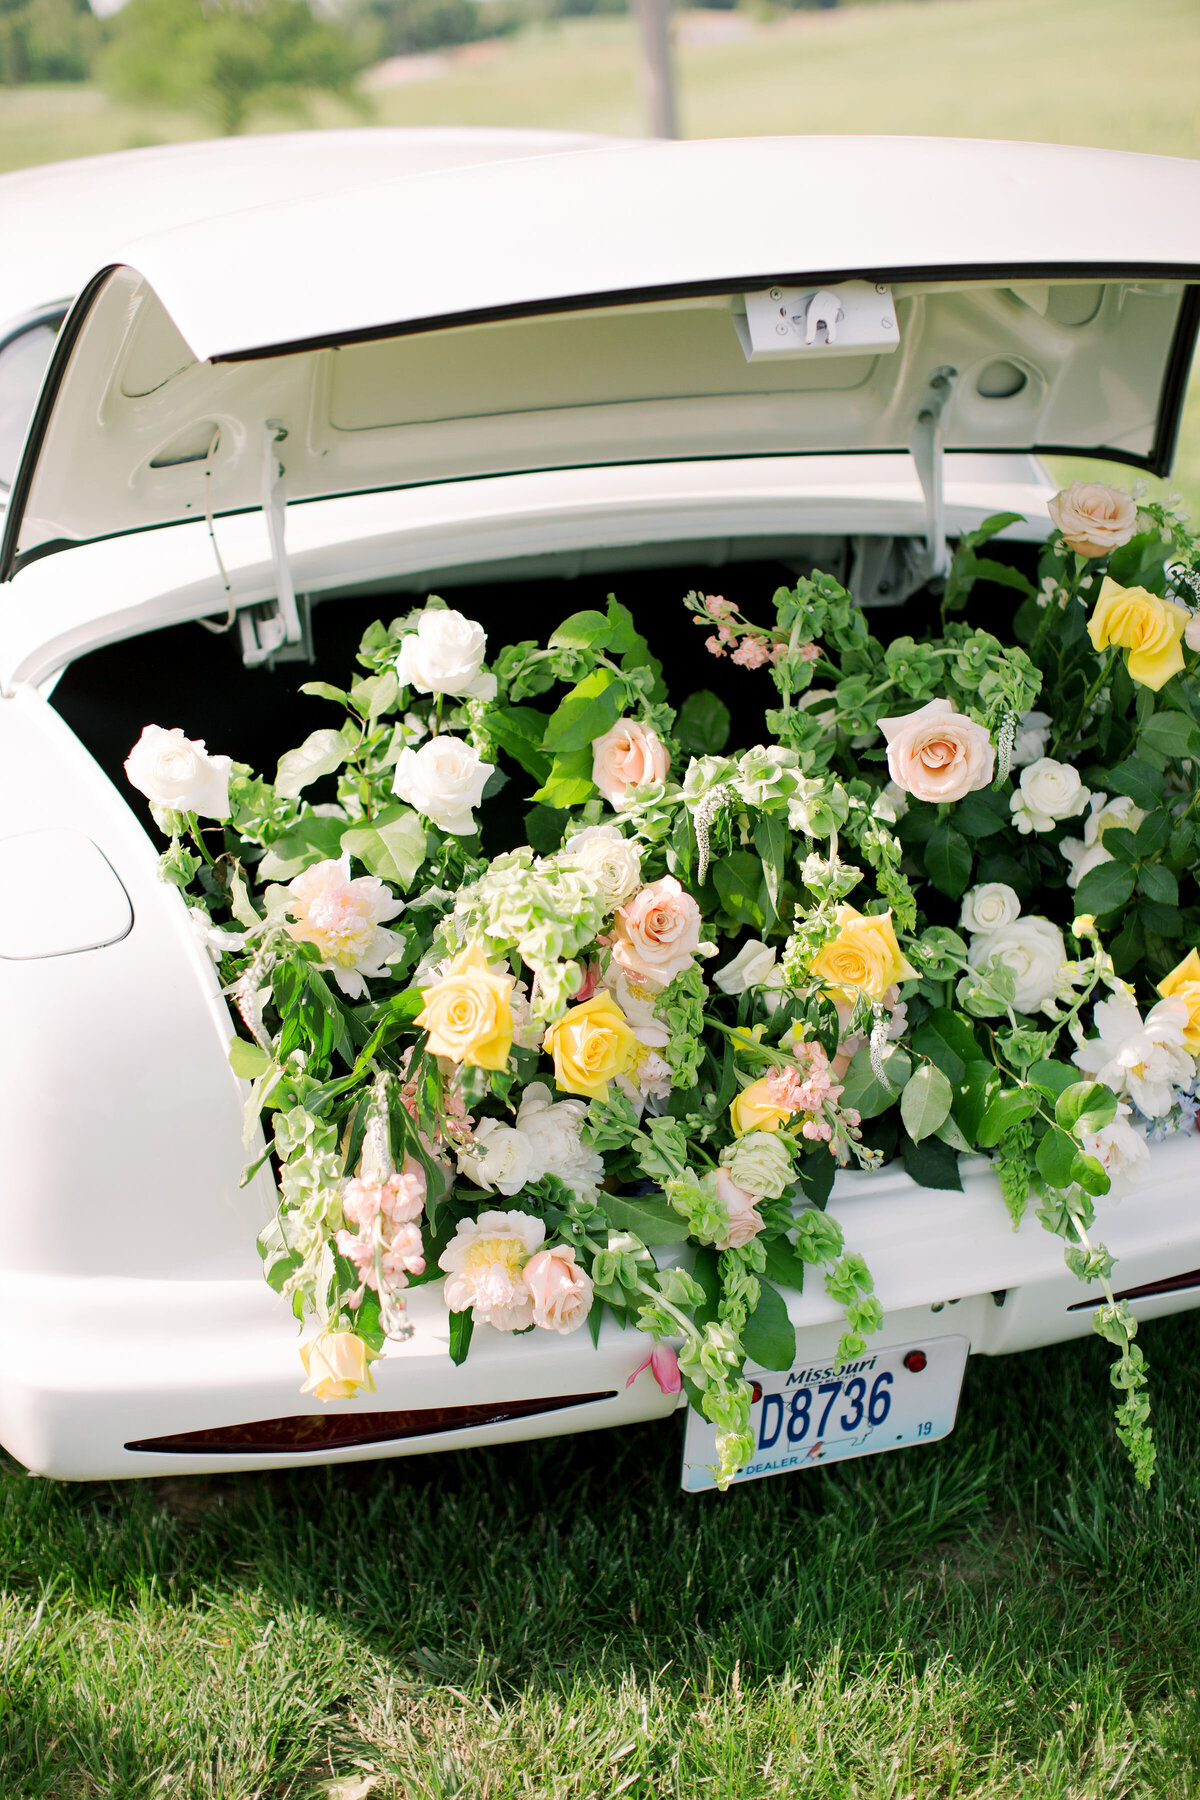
x,y
278,629
928,450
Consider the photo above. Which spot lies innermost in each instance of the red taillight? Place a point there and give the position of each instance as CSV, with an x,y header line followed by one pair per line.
x,y
337,1431
915,1361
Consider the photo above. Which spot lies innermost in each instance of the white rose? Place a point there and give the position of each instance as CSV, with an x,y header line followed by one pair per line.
x,y
552,1130
1049,791
1033,732
177,773
1035,952
760,1162
444,655
1191,632
989,906
1088,852
503,1158
612,861
443,780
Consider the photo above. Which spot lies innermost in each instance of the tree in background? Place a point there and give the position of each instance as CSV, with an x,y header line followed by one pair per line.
x,y
46,40
406,27
228,58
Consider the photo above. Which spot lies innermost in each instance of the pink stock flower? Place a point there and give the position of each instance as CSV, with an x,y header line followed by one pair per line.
x,y
752,653
819,1130
714,646
809,653
663,1364
717,606
784,1088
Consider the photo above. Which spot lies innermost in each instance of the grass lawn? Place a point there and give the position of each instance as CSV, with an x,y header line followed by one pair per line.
x,y
996,1615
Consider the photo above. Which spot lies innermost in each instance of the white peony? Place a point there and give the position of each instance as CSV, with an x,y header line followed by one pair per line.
x,y
553,1131
444,655
443,780
613,862
1033,734
1147,1061
1088,852
989,906
485,1264
1049,791
343,919
177,773
1035,952
1118,1147
502,1159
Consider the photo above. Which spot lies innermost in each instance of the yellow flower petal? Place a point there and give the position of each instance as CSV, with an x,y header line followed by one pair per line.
x,y
1183,983
590,1045
468,1014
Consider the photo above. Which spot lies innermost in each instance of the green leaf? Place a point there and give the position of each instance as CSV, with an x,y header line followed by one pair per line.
x,y
1051,1078
703,725
982,814
320,754
783,1265
1091,1174
375,694
1167,921
569,782
948,861
248,1060
948,1041
321,690
1138,779
1171,734
931,1163
462,1324
544,828
925,1102
1085,1107
518,729
1105,888
816,1172
1158,884
1004,1109
311,840
867,1096
582,631
654,1221
773,842
1056,1158
739,882
393,847
769,1337
973,1094
591,708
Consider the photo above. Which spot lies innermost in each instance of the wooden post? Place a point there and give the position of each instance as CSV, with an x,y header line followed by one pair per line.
x,y
658,79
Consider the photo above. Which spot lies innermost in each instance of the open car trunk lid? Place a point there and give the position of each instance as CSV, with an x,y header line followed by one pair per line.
x,y
651,302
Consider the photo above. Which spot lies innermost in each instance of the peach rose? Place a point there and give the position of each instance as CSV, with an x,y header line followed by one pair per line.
x,y
1094,518
745,1222
936,753
628,756
561,1291
657,933
337,1365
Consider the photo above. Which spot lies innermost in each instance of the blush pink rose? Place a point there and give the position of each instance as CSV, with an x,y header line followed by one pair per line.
x,y
742,1210
561,1291
657,933
630,755
1093,517
936,753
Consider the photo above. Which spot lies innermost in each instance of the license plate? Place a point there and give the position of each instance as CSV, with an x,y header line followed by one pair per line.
x,y
813,1413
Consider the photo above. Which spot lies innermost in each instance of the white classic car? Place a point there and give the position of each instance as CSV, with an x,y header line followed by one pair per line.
x,y
506,363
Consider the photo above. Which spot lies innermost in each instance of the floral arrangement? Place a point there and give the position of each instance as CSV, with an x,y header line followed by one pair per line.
x,y
949,907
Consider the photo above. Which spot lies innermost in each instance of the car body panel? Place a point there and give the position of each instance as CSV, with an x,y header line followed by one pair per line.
x,y
583,309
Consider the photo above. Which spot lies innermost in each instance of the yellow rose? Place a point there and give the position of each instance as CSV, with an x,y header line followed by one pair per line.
x,y
1149,628
468,1014
864,957
336,1365
590,1044
754,1110
1183,983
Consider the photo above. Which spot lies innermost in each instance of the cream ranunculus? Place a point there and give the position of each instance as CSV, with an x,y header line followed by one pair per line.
x,y
1088,852
613,862
938,754
1035,952
177,773
501,1158
1033,733
1147,627
443,780
864,957
989,906
630,755
1093,517
343,919
468,1013
560,1290
485,1264
1049,792
337,1364
444,655
591,1045
657,933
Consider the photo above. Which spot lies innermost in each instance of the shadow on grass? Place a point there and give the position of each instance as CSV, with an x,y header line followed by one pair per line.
x,y
1015,1559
